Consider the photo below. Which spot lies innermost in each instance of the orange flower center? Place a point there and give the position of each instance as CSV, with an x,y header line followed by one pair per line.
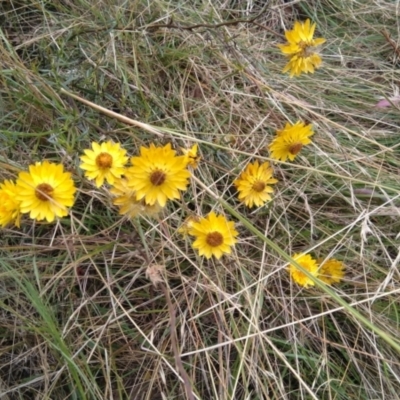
x,y
44,191
258,186
295,148
157,178
104,160
214,239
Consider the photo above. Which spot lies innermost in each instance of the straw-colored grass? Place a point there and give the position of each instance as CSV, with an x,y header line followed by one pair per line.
x,y
80,318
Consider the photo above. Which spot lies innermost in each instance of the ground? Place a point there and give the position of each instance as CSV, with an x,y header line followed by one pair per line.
x,y
97,306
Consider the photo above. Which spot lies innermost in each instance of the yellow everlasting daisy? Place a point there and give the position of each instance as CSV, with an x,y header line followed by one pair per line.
x,y
309,264
9,206
105,162
331,271
290,140
185,227
300,49
191,156
215,235
125,199
46,191
252,184
158,175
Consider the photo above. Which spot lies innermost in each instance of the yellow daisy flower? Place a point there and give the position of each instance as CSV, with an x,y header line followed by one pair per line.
x,y
252,184
191,156
125,199
158,174
290,140
299,63
46,191
331,271
300,49
105,162
309,264
214,235
9,206
185,227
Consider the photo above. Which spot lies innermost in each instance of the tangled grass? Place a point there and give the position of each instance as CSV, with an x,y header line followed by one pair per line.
x,y
99,307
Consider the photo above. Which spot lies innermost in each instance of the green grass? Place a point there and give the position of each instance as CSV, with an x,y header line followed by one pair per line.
x,y
79,318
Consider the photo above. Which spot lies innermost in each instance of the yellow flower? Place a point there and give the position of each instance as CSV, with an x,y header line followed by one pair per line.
x,y
299,63
331,271
252,184
46,191
192,159
185,227
215,235
158,174
309,264
290,140
300,49
105,161
9,206
125,199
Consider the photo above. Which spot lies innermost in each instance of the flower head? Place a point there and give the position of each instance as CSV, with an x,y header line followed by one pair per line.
x,y
158,174
154,273
9,206
46,191
331,271
309,264
299,49
105,162
187,223
214,235
252,184
191,156
125,199
290,140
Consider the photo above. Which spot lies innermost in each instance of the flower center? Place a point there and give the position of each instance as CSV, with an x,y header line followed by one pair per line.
x,y
258,186
306,49
104,160
295,148
302,44
44,191
214,239
157,178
